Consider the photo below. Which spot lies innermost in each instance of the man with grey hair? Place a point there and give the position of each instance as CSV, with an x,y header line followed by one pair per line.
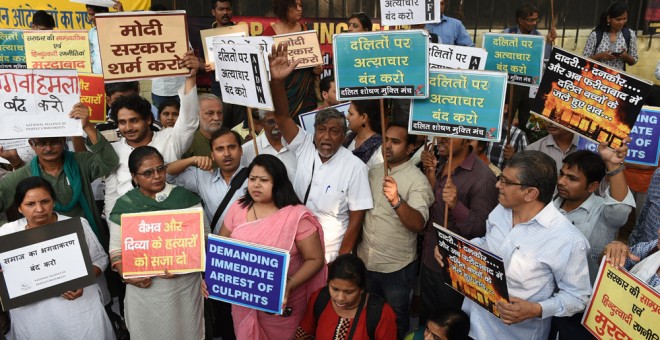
x,y
330,180
210,120
270,143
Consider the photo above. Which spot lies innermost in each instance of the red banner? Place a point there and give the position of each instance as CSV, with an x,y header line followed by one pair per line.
x,y
92,94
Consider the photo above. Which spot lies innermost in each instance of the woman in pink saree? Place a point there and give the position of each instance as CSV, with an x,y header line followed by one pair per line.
x,y
271,214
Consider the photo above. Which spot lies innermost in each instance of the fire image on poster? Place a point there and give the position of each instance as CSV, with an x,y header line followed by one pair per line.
x,y
472,271
589,98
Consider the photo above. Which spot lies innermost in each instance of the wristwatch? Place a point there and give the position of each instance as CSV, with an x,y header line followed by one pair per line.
x,y
616,171
398,204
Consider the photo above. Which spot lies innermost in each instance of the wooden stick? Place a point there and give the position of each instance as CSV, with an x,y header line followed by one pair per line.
x,y
383,126
552,13
251,127
509,117
451,156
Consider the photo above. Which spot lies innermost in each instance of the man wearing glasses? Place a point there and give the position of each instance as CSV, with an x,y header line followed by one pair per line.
x,y
545,256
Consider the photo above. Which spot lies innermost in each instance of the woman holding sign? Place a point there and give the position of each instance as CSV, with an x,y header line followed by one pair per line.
x,y
77,314
271,214
167,306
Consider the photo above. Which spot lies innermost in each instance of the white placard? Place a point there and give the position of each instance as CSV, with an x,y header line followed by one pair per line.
x,y
409,12
102,3
241,71
231,39
457,57
11,144
37,103
209,44
307,119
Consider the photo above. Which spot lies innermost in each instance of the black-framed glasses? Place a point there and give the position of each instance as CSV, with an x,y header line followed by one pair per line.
x,y
504,181
435,336
42,143
151,172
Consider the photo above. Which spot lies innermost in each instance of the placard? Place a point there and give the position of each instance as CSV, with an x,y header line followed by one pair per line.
x,y
142,45
409,12
266,43
519,55
303,46
102,3
240,29
371,65
308,119
644,148
246,274
463,104
208,45
242,76
44,262
37,103
92,94
58,50
622,306
12,49
457,57
589,98
11,144
472,271
154,241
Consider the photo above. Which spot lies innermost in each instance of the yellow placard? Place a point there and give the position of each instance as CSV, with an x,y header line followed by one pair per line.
x,y
303,46
57,50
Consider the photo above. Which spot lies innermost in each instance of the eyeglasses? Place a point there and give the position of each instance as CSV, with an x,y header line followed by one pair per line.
x,y
354,25
531,20
435,336
41,143
270,122
151,172
503,180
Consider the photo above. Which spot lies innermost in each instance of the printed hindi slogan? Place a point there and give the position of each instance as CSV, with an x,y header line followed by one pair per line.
x,y
622,306
154,241
644,148
238,30
266,44
589,98
462,103
246,274
303,46
457,57
381,64
409,12
36,103
12,49
472,271
92,94
241,71
57,50
41,263
521,56
142,45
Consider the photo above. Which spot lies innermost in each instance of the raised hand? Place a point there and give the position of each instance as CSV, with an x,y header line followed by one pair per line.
x,y
280,66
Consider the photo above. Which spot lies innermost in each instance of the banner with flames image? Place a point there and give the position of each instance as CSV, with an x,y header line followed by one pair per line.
x,y
472,271
589,98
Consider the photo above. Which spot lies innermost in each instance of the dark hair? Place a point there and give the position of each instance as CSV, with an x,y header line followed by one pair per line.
x,y
215,3
224,131
281,8
410,138
43,18
615,10
348,267
526,10
158,7
112,88
363,19
139,154
283,193
372,108
325,115
168,103
455,322
538,170
589,163
324,85
30,183
131,102
98,9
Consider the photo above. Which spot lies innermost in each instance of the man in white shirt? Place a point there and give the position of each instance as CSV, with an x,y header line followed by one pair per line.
x,y
330,180
133,116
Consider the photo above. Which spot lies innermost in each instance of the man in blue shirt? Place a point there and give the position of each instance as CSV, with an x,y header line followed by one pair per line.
x,y
450,31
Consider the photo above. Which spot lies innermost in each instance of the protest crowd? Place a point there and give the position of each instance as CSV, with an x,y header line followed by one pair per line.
x,y
353,205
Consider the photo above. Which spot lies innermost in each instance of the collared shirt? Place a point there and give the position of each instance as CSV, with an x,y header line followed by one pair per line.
x,y
545,260
450,31
495,150
477,196
338,186
263,145
212,188
646,228
548,146
599,219
387,245
171,143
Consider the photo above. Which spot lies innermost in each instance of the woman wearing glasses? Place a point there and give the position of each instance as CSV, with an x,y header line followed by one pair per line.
x,y
167,306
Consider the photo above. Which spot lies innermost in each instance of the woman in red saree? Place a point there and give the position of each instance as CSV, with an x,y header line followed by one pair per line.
x,y
271,214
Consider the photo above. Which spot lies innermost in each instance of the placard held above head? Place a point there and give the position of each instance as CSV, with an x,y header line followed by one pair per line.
x,y
303,46
409,12
519,55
